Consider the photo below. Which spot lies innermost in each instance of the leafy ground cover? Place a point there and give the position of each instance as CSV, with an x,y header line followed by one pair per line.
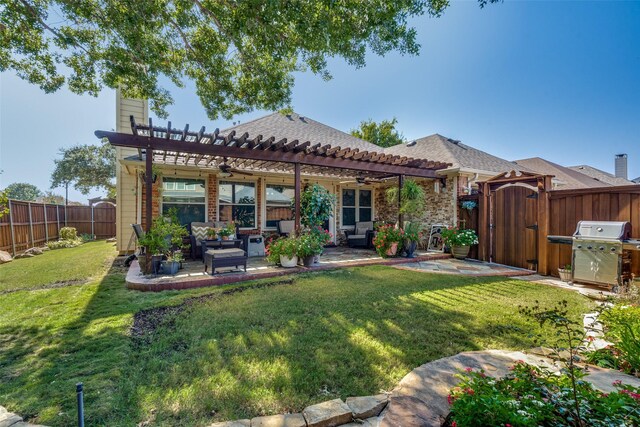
x,y
225,354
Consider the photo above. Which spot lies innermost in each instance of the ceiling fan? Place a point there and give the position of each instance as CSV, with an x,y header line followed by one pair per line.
x,y
361,180
226,171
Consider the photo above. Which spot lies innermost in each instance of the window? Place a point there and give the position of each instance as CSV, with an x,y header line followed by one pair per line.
x,y
187,197
356,206
237,202
278,204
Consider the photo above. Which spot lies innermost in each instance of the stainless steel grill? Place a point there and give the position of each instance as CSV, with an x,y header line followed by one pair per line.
x,y
602,253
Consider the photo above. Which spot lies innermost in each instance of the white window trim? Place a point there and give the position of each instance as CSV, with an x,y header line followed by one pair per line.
x,y
357,206
235,180
206,193
264,198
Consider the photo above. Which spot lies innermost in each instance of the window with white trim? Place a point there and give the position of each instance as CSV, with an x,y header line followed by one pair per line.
x,y
237,202
187,197
357,206
278,204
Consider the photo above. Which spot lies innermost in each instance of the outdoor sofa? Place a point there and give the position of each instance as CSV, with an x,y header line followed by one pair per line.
x,y
361,235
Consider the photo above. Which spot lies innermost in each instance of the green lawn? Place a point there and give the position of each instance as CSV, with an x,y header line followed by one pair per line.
x,y
262,351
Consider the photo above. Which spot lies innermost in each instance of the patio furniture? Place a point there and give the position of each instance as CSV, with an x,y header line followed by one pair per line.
x,y
361,235
208,244
230,257
286,227
198,232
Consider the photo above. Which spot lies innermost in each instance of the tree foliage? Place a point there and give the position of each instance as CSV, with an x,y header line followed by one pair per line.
x,y
4,203
51,198
241,55
22,191
85,167
383,134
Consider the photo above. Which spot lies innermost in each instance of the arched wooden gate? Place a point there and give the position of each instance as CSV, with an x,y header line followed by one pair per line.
x,y
512,220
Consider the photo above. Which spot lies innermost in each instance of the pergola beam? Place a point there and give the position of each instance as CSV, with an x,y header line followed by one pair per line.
x,y
262,153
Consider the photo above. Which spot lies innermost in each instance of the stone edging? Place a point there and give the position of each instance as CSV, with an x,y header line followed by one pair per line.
x,y
9,419
136,281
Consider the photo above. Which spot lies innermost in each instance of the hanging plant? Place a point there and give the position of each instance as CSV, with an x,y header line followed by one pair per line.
x,y
412,198
469,205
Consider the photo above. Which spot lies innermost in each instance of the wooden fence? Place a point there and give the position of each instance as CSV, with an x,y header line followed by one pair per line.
x,y
567,207
524,208
30,224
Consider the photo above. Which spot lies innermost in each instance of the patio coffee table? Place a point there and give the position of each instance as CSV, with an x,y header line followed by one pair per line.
x,y
224,258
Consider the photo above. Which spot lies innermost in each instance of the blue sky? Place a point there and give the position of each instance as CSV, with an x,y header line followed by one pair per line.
x,y
559,80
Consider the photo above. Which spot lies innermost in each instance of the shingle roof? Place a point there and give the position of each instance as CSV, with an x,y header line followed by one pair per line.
x,y
637,180
461,156
600,175
565,178
295,126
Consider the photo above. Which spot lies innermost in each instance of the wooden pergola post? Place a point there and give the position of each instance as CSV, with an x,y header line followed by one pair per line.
x,y
400,185
148,182
297,196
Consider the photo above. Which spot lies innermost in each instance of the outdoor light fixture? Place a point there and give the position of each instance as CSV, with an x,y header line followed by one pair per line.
x,y
224,174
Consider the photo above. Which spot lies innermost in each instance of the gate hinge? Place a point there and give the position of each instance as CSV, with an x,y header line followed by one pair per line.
x,y
532,227
532,196
532,261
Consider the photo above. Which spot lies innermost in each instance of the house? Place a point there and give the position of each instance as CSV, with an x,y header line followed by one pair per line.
x,y
572,177
251,172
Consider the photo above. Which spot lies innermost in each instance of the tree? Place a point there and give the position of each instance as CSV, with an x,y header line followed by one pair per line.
x,y
23,191
383,134
4,204
86,167
51,198
241,54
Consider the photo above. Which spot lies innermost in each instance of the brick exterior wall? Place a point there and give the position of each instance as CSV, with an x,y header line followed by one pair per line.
x,y
156,200
439,207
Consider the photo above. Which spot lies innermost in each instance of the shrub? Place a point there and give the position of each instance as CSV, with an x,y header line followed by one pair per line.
x,y
530,396
287,246
65,243
622,327
86,237
68,233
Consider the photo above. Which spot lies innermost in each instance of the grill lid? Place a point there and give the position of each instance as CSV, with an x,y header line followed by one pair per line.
x,y
603,230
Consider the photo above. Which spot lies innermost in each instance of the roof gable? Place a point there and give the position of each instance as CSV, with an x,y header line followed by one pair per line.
x,y
600,175
461,156
564,177
295,126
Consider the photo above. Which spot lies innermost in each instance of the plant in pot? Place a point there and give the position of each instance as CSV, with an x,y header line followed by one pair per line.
x,y
212,233
309,246
387,240
565,273
164,235
316,206
323,237
283,251
412,236
225,232
412,200
459,240
172,264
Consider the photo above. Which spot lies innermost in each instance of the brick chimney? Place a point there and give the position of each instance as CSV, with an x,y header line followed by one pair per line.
x,y
621,166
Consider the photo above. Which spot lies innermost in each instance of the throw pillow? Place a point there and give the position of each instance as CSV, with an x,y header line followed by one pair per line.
x,y
200,233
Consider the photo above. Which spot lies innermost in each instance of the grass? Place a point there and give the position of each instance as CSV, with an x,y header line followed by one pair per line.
x,y
262,351
58,266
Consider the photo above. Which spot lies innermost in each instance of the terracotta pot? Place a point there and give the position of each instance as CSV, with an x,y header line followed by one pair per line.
x,y
565,274
392,249
225,237
460,252
287,262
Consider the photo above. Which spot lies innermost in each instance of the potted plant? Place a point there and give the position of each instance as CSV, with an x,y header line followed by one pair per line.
x,y
459,240
164,235
412,236
283,251
172,263
309,246
212,233
565,273
224,233
387,240
324,238
316,206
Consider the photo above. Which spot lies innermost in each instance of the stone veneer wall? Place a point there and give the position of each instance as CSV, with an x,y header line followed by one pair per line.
x,y
439,208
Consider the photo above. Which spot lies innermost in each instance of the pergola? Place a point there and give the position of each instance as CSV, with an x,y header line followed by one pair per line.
x,y
208,150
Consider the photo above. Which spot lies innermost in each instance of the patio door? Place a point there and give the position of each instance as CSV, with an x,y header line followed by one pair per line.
x,y
513,226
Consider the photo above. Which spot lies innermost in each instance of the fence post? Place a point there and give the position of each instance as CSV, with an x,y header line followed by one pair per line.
x,y
30,225
58,221
46,226
92,228
65,215
13,235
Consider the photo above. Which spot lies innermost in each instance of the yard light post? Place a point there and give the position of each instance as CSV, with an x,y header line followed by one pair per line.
x,y
80,400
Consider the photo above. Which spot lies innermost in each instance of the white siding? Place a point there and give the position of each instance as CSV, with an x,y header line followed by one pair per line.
x,y
127,183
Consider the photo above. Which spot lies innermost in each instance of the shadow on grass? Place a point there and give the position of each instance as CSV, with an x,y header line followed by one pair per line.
x,y
262,351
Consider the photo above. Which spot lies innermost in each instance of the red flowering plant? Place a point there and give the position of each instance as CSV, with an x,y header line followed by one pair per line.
x,y
386,236
530,396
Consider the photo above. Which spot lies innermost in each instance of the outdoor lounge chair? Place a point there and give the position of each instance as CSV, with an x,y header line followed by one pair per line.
x,y
361,235
286,227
